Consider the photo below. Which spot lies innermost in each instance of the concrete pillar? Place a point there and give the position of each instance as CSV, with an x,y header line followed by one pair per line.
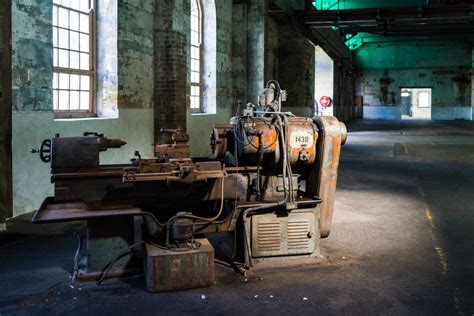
x,y
255,48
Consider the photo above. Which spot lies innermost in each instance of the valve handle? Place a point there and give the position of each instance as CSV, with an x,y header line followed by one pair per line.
x,y
44,151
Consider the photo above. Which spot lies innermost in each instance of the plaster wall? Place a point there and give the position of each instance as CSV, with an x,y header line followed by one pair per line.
x,y
31,177
385,68
382,113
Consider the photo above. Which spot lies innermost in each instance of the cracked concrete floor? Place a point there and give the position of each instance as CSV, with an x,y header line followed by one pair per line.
x,y
402,243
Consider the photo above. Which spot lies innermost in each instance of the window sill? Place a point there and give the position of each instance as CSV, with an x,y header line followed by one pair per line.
x,y
94,118
202,114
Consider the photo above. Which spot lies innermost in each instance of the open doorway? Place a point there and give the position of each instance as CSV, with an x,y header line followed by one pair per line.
x,y
416,103
323,83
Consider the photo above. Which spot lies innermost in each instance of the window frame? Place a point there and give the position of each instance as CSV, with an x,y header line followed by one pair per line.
x,y
200,108
92,72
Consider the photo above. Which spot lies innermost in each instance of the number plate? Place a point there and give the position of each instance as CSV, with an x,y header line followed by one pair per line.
x,y
300,139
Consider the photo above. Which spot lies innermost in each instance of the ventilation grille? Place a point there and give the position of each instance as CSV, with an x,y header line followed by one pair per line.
x,y
269,236
273,235
298,234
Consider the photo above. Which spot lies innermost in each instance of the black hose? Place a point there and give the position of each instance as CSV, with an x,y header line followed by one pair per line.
x,y
120,255
290,171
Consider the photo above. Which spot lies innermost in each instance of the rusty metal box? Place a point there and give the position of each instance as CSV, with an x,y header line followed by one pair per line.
x,y
167,270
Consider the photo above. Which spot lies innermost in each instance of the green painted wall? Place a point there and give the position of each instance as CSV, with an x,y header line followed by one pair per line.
x,y
363,4
443,66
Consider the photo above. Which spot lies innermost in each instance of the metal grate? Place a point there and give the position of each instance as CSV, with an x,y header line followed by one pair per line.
x,y
298,234
269,236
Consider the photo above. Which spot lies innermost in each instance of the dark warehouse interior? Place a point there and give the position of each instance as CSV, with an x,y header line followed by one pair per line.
x,y
236,156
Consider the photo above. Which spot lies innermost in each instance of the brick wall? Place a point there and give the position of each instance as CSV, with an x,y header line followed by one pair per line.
x,y
170,100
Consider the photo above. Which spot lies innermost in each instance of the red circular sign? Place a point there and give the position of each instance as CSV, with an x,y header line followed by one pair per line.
x,y
325,101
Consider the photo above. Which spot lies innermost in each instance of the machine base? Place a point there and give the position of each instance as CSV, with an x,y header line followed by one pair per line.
x,y
167,270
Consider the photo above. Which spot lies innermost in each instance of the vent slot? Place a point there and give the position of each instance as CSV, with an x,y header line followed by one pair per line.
x,y
269,236
298,234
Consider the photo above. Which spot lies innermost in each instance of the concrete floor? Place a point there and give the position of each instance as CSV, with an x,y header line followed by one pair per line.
x,y
402,243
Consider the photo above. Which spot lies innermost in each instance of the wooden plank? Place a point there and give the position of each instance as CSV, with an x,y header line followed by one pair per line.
x,y
6,207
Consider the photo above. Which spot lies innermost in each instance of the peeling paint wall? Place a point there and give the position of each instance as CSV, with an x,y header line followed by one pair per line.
x,y
443,66
107,68
135,58
32,94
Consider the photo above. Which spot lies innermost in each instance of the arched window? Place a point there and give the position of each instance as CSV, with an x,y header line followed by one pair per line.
x,y
196,56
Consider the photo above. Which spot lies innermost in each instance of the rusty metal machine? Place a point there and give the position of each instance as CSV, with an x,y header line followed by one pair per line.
x,y
270,185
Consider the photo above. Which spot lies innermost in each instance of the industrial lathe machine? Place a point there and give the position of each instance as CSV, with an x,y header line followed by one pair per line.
x,y
269,188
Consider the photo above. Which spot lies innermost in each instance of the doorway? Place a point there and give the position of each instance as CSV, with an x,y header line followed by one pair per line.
x,y
323,83
416,103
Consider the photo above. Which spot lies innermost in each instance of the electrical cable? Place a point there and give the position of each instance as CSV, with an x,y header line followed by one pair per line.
x,y
120,255
199,217
290,171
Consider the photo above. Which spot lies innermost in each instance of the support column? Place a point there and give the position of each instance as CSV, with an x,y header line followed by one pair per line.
x,y
256,12
170,65
6,207
472,81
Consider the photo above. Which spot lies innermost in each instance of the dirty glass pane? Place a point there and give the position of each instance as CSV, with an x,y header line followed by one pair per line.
x,y
75,4
63,81
55,37
63,58
84,40
63,18
55,57
74,100
55,99
63,100
74,82
84,5
74,60
194,102
84,23
63,38
74,40
84,61
194,38
194,23
85,83
194,91
195,65
84,101
67,3
55,15
55,80
74,21
194,52
194,77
